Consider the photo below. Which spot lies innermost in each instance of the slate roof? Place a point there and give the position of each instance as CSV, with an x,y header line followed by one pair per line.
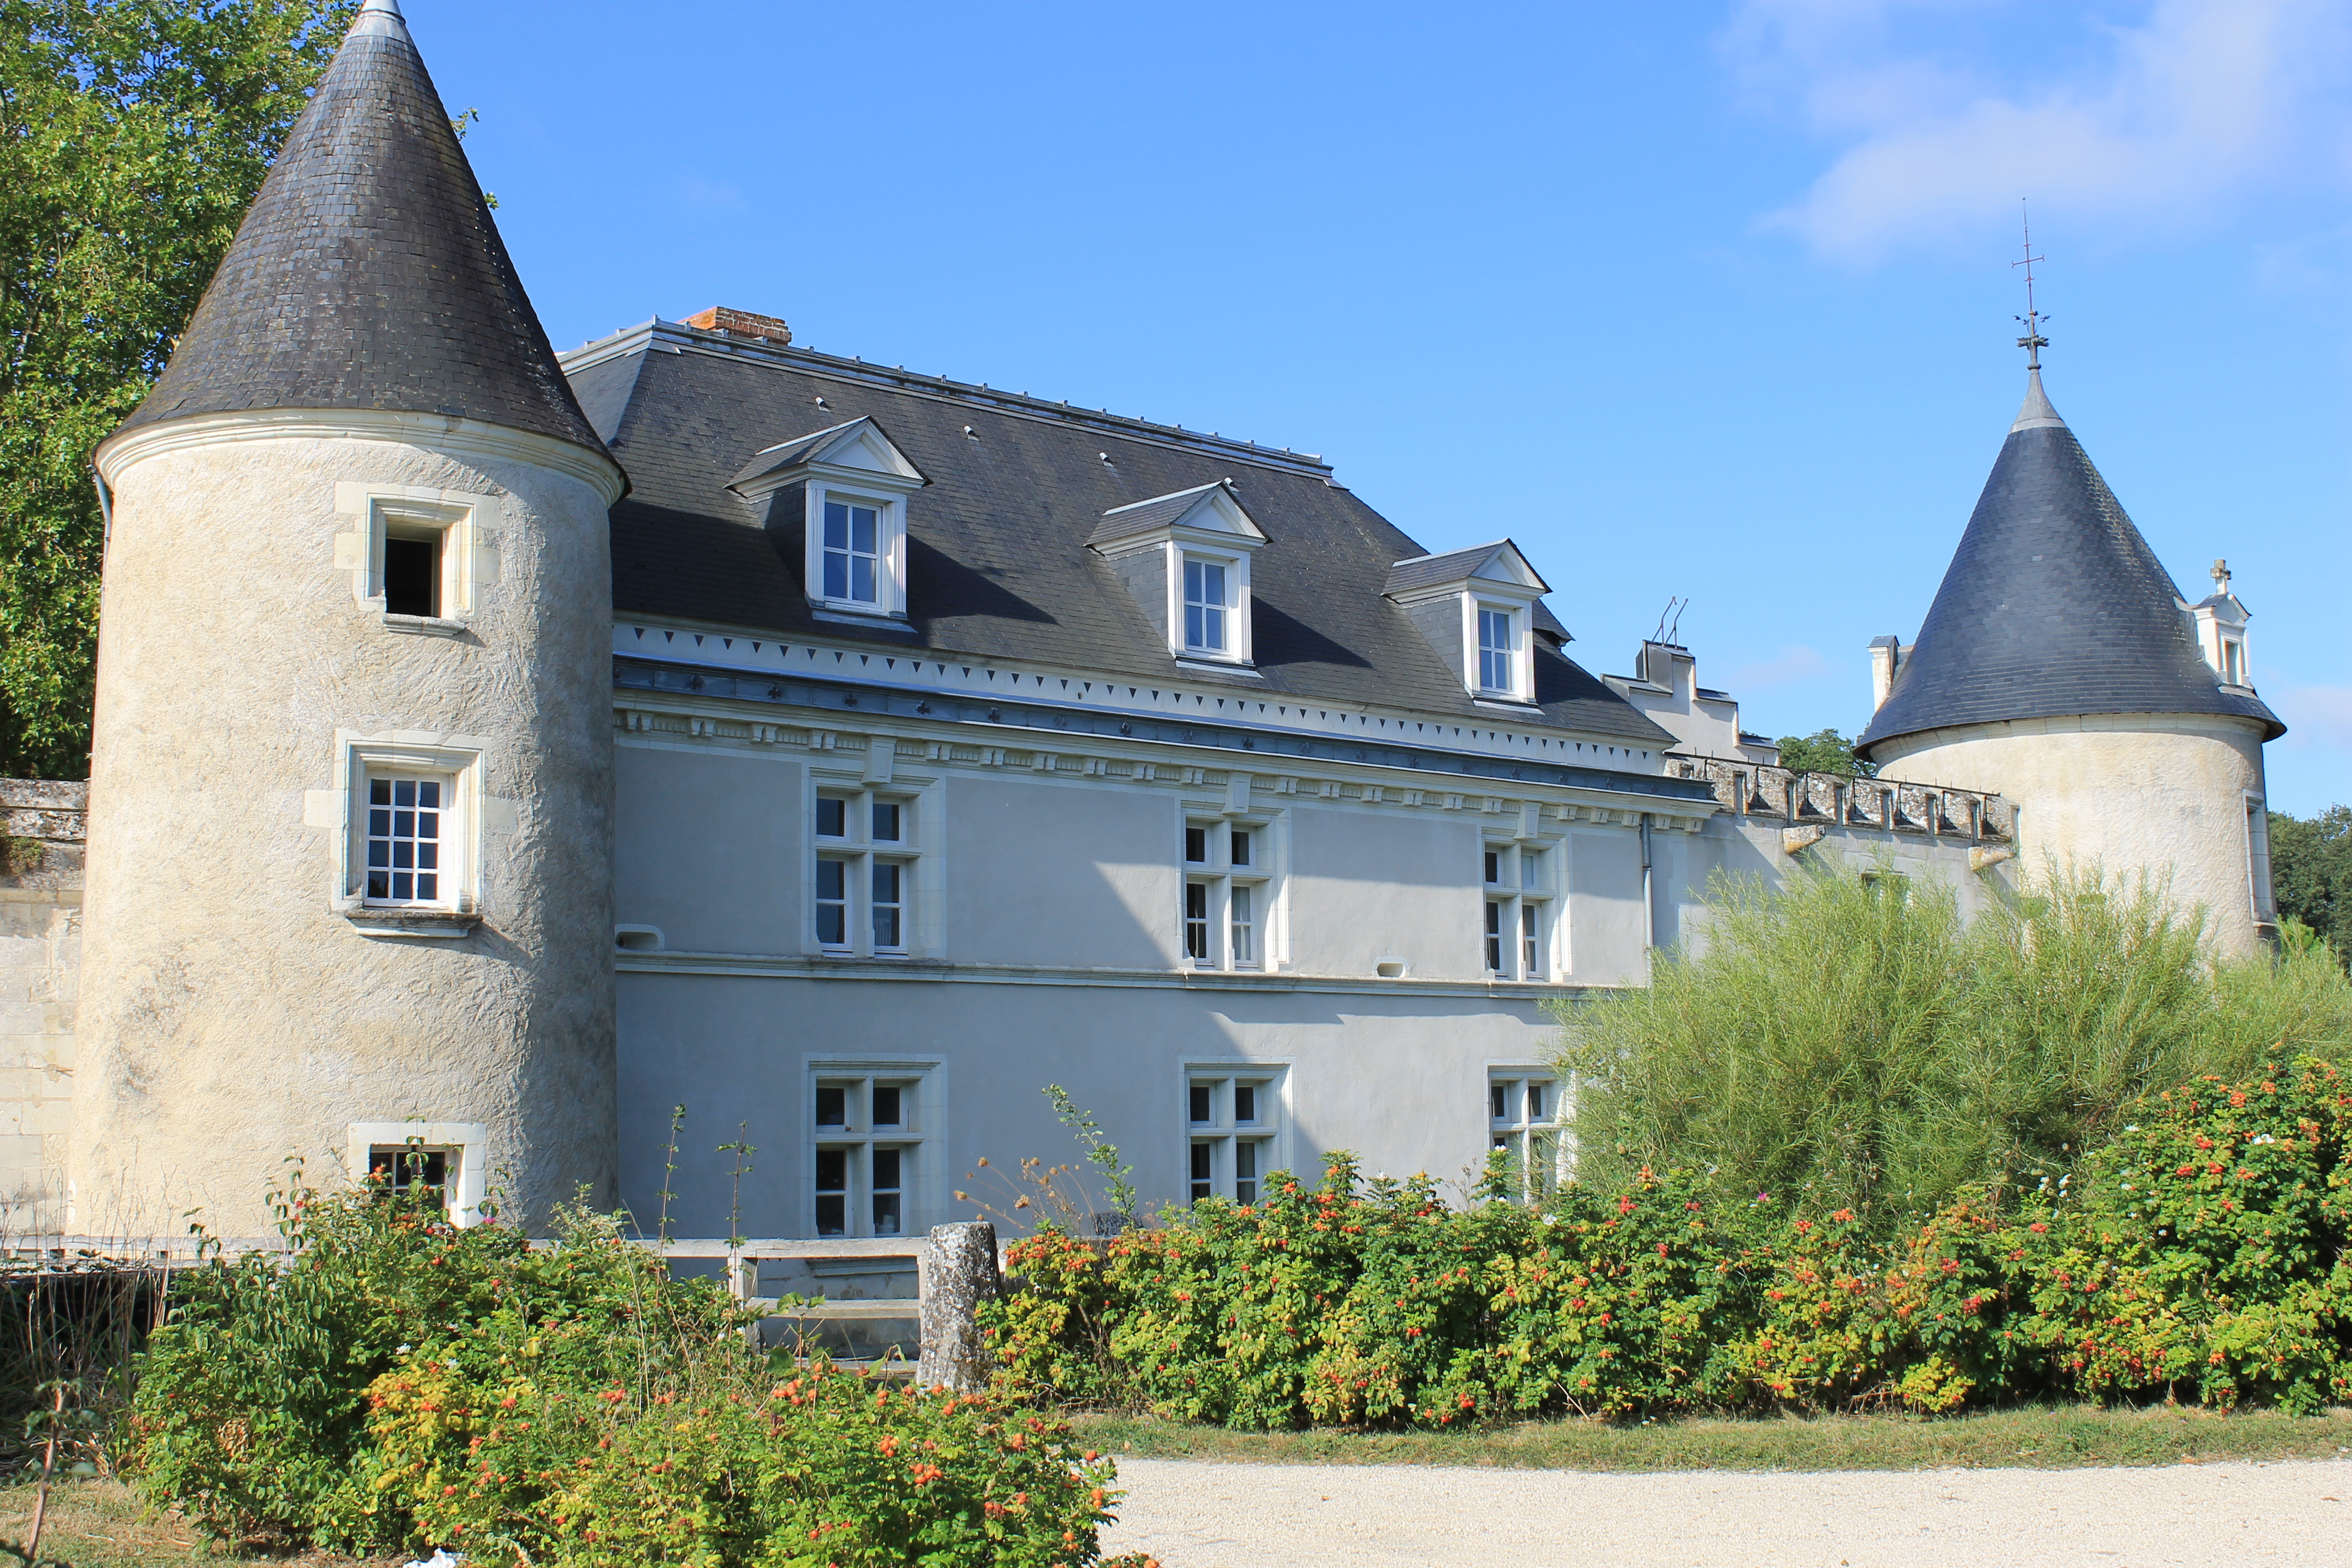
x,y
2054,607
997,543
368,273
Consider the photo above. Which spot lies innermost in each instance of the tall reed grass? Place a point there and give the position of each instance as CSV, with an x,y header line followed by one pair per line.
x,y
1846,1041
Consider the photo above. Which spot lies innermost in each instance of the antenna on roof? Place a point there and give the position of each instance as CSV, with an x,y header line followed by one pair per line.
x,y
1675,632
1662,635
2033,342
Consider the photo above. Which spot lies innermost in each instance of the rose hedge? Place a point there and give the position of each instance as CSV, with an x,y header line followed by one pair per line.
x,y
402,1384
2199,1254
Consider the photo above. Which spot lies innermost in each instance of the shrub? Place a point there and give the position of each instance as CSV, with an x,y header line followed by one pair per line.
x,y
2201,1253
1847,1044
399,1383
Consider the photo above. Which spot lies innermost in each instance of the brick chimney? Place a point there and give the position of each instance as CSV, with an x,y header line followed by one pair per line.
x,y
741,324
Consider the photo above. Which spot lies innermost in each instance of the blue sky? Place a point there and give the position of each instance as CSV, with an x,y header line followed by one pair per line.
x,y
1705,300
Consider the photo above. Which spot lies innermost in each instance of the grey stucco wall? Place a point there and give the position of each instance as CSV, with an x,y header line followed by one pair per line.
x,y
40,942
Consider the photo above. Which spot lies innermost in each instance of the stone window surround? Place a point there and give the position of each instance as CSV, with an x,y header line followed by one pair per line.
x,y
1514,893
469,559
468,1141
471,816
1517,1130
922,890
924,1132
1272,1079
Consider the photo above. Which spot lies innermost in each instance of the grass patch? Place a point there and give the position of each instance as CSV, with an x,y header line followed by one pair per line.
x,y
101,1523
2043,1438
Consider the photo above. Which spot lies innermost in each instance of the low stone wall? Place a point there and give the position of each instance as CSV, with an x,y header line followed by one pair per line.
x,y
40,952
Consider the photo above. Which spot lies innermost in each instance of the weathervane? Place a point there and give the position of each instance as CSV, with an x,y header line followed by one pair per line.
x,y
2033,342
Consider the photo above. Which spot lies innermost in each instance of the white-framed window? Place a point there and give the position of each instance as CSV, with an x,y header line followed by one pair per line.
x,y
873,1134
450,1156
1206,605
1498,650
405,816
867,858
412,815
852,550
1525,1115
1521,885
1229,888
857,549
1234,1121
2233,662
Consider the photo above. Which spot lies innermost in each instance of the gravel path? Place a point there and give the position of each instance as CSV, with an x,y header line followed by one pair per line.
x,y
1195,1515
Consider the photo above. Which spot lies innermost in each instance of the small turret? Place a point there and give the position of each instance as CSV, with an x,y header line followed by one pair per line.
x,y
350,864
2060,667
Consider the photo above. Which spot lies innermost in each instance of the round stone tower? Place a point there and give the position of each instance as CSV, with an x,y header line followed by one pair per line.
x,y
2060,667
350,880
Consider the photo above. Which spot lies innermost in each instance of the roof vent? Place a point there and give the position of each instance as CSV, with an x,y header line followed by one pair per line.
x,y
741,324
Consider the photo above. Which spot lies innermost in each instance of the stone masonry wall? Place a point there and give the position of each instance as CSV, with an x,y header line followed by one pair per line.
x,y
41,951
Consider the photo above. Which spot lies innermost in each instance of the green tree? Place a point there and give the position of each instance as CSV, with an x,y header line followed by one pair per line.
x,y
1824,751
133,134
2311,871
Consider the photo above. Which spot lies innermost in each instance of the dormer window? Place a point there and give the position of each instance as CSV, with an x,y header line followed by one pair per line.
x,y
1186,558
2219,624
1498,650
852,556
843,491
1205,606
2233,662
1477,607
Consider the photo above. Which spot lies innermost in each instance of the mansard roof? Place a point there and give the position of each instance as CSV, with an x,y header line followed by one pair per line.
x,y
368,273
2054,607
998,563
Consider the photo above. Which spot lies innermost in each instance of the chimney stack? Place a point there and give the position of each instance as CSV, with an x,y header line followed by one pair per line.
x,y
741,324
1885,658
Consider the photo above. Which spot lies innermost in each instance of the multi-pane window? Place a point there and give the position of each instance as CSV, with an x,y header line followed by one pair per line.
x,y
867,1146
404,840
1231,1117
852,551
1228,894
1498,654
1520,887
1524,1118
865,862
1204,606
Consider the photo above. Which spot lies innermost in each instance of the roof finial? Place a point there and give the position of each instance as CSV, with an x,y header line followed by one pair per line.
x,y
2220,575
379,19
2033,342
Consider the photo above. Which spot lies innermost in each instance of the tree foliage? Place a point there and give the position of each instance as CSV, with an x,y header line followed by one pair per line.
x,y
133,134
2311,871
1847,1042
1824,751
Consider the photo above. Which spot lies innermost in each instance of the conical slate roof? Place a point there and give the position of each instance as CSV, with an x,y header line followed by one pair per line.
x,y
368,273
2054,607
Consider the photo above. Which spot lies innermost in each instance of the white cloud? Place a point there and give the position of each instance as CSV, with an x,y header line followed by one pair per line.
x,y
1949,115
1794,663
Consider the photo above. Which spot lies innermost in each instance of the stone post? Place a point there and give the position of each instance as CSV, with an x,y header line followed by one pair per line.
x,y
959,1274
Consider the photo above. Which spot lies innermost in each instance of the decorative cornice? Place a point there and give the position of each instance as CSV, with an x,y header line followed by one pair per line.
x,y
433,432
777,966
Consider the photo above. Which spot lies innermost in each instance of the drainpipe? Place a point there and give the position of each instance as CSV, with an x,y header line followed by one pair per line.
x,y
105,508
1649,899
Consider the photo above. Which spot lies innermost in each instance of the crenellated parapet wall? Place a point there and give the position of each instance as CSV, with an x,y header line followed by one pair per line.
x,y
1798,799
41,840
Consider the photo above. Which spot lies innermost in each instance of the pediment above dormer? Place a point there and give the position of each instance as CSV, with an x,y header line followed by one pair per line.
x,y
1208,513
1485,567
859,448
